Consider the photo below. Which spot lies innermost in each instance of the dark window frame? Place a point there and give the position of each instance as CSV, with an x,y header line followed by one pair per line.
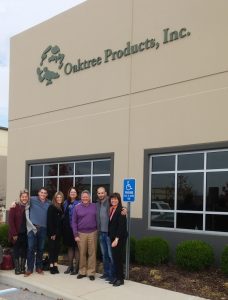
x,y
79,158
220,146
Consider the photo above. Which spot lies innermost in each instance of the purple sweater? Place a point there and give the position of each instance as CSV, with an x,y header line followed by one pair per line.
x,y
84,218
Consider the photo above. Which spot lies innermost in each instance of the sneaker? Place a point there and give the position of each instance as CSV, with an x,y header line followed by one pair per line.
x,y
80,276
112,281
91,277
118,282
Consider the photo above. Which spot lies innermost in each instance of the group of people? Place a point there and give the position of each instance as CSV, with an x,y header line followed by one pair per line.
x,y
79,223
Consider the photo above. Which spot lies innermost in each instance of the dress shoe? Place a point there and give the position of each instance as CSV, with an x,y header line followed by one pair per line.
x,y
39,271
103,276
118,283
52,270
80,276
27,274
112,281
69,270
91,277
56,270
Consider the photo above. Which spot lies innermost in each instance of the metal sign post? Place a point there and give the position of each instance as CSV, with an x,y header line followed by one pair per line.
x,y
128,196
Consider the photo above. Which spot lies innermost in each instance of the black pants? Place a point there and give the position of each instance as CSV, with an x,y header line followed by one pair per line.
x,y
20,246
53,249
118,257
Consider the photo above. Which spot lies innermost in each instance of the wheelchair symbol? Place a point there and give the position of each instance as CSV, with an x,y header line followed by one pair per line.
x,y
128,186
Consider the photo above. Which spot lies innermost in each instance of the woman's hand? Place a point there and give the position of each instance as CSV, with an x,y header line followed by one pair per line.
x,y
53,237
115,242
124,211
15,237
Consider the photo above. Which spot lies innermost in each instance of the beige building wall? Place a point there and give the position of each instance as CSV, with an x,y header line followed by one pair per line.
x,y
170,96
3,163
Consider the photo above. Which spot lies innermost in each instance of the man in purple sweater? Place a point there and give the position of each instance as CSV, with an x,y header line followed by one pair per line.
x,y
84,225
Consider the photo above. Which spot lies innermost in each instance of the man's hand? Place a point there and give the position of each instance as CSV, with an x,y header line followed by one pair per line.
x,y
77,239
15,237
13,204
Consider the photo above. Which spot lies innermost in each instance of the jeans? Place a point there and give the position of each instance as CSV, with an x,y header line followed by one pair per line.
x,y
106,251
36,248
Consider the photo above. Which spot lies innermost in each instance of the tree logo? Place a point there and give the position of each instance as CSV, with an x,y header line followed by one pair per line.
x,y
50,55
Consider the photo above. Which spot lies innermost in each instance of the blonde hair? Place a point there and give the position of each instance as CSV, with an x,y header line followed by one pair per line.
x,y
55,197
24,191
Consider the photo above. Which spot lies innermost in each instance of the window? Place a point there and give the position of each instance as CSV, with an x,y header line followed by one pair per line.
x,y
88,175
189,191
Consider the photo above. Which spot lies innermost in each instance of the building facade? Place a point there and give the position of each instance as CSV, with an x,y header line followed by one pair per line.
x,y
3,164
130,89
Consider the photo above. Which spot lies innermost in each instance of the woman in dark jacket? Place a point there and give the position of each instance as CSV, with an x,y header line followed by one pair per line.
x,y
68,236
54,230
18,232
118,237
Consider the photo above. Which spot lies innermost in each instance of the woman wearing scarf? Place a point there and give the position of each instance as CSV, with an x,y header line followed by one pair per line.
x,y
18,232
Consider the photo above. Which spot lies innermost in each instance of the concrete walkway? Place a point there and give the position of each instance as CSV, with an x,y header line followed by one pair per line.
x,y
68,287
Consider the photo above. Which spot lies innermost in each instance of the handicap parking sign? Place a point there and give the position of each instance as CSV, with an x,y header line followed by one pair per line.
x,y
129,190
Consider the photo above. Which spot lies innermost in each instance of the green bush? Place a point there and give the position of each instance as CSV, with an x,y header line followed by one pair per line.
x,y
224,260
194,255
4,229
152,251
132,248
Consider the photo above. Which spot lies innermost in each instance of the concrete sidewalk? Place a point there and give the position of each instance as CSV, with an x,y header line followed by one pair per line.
x,y
68,287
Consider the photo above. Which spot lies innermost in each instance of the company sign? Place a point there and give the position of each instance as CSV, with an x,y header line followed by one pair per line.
x,y
53,59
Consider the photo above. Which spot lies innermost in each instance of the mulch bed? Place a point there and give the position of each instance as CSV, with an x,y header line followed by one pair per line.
x,y
209,284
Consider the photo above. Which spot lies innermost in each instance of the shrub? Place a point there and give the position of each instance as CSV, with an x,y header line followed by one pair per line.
x,y
132,248
4,229
194,255
152,251
224,260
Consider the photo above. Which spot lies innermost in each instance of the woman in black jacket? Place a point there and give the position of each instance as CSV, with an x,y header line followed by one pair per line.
x,y
54,230
118,237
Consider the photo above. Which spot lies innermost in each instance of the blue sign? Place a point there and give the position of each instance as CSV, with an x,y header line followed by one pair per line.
x,y
129,190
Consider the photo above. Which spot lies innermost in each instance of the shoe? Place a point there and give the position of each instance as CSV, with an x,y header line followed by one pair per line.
x,y
69,270
112,281
75,269
56,270
39,271
107,279
52,270
91,277
80,276
103,276
118,283
27,274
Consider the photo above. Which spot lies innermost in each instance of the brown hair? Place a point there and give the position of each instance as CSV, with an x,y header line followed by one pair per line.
x,y
118,197
68,193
